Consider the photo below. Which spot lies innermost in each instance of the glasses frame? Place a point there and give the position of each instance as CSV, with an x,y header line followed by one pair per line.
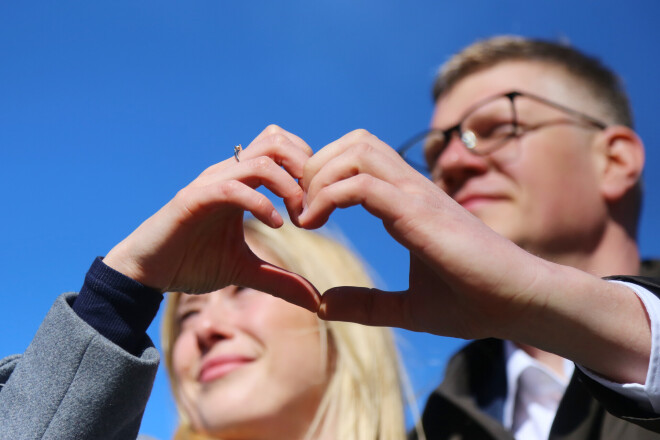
x,y
517,130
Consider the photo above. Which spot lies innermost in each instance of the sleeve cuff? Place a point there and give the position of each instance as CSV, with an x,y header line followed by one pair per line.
x,y
647,396
119,308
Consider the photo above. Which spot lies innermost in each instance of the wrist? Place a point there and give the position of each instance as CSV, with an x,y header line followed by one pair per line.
x,y
600,325
119,261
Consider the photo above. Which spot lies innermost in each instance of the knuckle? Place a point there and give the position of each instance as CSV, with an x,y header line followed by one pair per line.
x,y
261,162
364,179
229,187
183,194
320,196
273,129
262,203
365,182
307,169
360,133
296,191
278,139
362,148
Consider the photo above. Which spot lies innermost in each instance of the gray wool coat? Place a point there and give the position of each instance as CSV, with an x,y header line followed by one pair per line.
x,y
68,377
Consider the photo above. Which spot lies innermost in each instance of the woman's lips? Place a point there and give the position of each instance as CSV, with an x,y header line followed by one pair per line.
x,y
220,366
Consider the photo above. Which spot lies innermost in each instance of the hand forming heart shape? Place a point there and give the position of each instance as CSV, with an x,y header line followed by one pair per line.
x,y
196,242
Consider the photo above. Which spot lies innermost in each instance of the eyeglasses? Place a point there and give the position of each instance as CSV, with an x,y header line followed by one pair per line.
x,y
485,127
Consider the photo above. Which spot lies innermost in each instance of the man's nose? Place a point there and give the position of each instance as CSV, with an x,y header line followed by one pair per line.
x,y
456,164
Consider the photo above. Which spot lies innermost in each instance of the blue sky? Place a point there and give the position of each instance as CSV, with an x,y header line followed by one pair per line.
x,y
108,108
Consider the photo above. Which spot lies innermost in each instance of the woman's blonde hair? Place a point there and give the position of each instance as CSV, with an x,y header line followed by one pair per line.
x,y
363,399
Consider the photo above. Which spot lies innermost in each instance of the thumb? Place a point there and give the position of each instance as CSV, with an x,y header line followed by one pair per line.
x,y
366,306
291,287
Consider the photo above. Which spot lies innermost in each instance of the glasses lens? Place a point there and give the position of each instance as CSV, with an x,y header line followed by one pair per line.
x,y
488,126
422,151
482,131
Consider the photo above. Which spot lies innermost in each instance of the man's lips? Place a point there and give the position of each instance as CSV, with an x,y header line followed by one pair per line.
x,y
219,366
472,201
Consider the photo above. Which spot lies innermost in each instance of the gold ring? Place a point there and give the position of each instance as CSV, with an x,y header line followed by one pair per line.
x,y
237,149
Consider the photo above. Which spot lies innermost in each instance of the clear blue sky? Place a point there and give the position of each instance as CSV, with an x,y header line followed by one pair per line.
x,y
108,108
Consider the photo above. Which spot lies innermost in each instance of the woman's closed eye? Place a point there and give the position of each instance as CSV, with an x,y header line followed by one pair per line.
x,y
188,309
188,314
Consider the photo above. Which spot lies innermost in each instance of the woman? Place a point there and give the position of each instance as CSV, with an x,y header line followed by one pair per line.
x,y
245,364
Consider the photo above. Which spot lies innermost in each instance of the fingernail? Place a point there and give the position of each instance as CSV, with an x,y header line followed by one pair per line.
x,y
304,205
322,310
276,218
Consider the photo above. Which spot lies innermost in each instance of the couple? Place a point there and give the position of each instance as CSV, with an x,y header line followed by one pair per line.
x,y
534,194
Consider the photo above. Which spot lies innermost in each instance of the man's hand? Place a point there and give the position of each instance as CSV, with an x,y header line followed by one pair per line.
x,y
196,244
466,280
454,257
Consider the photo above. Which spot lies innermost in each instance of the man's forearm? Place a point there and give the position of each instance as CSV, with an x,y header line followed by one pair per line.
x,y
600,325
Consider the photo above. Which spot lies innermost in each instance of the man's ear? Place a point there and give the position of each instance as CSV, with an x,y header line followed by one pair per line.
x,y
624,161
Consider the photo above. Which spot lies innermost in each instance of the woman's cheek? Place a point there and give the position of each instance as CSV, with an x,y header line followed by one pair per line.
x,y
184,355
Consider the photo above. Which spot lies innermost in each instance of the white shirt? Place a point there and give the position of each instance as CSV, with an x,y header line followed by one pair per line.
x,y
534,391
533,394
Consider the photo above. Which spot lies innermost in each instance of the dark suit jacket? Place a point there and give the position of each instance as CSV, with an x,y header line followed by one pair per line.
x,y
469,403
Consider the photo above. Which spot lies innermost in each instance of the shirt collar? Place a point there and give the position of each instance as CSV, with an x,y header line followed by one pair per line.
x,y
517,361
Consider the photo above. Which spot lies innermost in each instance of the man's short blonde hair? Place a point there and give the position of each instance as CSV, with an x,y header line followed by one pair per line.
x,y
602,83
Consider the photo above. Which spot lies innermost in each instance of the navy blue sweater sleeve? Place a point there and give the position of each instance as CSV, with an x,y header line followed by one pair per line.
x,y
118,307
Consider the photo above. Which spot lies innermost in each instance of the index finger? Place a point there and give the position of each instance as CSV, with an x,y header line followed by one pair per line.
x,y
295,140
289,286
285,148
336,148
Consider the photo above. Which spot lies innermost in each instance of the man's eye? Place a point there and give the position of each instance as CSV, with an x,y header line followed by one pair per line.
x,y
505,129
432,150
495,130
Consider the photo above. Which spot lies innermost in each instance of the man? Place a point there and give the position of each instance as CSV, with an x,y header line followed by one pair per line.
x,y
535,140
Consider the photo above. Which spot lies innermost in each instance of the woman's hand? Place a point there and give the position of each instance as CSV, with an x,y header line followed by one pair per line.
x,y
195,243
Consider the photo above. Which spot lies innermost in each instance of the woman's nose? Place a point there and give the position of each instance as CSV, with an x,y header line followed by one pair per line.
x,y
213,326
